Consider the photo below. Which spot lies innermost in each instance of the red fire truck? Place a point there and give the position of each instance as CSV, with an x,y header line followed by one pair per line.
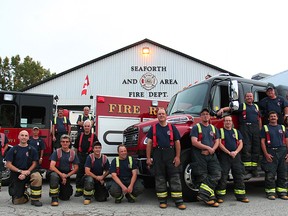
x,y
23,111
114,114
184,112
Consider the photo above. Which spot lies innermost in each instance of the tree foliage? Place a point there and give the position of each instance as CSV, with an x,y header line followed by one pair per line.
x,y
16,75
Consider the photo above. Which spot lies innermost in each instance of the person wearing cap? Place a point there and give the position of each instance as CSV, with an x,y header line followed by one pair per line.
x,y
206,169
3,147
274,144
250,124
164,138
38,143
273,103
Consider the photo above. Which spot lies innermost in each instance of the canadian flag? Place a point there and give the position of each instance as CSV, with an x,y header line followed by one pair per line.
x,y
85,85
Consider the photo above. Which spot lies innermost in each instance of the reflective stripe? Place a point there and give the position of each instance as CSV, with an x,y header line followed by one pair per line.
x,y
162,195
278,189
36,192
176,194
54,191
88,193
133,197
221,192
247,164
254,164
272,190
118,164
207,188
236,191
120,198
79,189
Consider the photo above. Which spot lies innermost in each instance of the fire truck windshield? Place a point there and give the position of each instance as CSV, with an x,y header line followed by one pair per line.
x,y
189,101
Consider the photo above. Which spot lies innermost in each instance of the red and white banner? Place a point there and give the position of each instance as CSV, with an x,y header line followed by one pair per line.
x,y
85,85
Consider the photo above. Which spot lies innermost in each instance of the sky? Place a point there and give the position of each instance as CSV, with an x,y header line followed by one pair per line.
x,y
243,37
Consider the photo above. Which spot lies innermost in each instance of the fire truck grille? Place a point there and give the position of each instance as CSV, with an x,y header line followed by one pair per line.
x,y
131,136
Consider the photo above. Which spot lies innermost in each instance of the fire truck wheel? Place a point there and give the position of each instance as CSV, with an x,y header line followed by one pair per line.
x,y
189,189
6,177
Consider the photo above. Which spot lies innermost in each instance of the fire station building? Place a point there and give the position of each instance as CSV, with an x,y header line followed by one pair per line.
x,y
145,69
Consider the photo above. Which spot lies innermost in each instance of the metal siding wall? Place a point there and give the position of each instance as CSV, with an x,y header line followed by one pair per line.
x,y
106,76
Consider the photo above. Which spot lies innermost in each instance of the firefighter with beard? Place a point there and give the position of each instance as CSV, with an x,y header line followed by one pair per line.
x,y
83,147
164,138
22,160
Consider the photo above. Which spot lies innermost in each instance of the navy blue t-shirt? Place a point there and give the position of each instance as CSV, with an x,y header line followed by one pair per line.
x,y
22,157
207,134
38,144
125,170
97,168
278,104
86,142
60,125
230,139
163,135
64,164
276,136
252,114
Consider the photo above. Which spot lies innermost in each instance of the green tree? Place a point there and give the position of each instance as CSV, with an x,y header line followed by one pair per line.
x,y
16,75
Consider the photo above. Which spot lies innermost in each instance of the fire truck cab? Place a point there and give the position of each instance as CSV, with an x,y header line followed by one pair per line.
x,y
23,111
184,112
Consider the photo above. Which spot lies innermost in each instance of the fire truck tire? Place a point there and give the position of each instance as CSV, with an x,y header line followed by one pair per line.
x,y
6,177
189,190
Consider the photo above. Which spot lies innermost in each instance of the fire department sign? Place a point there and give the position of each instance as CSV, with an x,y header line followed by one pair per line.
x,y
148,81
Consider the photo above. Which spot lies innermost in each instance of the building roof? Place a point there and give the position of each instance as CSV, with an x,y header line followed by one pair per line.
x,y
125,48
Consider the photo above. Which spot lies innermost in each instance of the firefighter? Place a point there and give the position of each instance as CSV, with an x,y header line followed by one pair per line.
x,y
22,160
83,147
124,171
96,169
38,143
3,147
61,169
273,103
230,159
274,144
83,117
250,124
206,169
60,125
164,138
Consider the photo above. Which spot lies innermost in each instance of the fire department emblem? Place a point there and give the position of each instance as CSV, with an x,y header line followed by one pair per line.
x,y
280,131
148,81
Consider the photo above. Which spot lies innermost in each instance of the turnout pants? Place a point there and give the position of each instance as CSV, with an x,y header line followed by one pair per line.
x,y
17,188
277,168
81,171
228,163
57,189
94,187
166,171
251,146
207,172
116,191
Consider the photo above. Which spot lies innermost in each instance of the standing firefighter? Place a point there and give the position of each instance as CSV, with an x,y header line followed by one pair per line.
x,y
164,138
274,143
124,171
61,125
3,148
230,159
22,160
205,165
62,161
83,146
96,169
82,118
249,125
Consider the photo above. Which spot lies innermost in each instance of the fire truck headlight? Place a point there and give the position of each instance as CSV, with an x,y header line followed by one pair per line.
x,y
146,129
